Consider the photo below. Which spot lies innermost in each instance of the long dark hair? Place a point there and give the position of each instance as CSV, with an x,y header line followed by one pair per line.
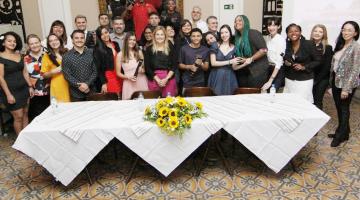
x,y
100,45
18,46
230,32
59,23
51,52
340,42
125,52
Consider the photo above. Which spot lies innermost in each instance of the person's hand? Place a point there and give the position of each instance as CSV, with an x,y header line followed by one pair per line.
x,y
329,91
248,61
299,67
287,63
236,60
131,78
198,61
104,88
83,87
344,95
266,86
31,92
158,81
11,99
164,82
193,68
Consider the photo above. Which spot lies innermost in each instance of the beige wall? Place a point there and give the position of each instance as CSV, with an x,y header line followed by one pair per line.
x,y
89,8
205,5
31,17
253,10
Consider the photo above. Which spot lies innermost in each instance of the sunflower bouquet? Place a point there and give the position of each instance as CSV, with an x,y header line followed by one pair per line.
x,y
174,114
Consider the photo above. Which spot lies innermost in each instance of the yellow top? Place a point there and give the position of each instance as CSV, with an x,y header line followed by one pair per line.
x,y
59,87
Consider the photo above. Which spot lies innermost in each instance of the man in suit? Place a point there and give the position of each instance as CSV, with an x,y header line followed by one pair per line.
x,y
81,24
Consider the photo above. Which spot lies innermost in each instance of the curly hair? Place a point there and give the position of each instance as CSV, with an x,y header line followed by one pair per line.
x,y
18,40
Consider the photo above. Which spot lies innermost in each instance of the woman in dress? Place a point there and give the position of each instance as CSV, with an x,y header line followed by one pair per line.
x,y
300,60
160,64
276,45
105,53
222,78
14,80
33,59
345,70
322,72
52,69
251,47
128,61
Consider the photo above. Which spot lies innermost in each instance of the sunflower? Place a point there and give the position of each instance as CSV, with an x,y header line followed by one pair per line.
x,y
147,110
173,122
173,113
160,122
159,105
163,111
199,105
169,100
182,102
188,119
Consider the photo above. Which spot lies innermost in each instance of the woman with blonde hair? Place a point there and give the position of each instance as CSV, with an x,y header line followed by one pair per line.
x,y
322,72
160,63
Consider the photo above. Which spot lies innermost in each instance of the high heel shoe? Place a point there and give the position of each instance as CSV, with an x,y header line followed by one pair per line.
x,y
337,141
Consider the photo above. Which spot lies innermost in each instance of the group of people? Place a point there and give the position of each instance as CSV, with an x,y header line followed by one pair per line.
x,y
170,53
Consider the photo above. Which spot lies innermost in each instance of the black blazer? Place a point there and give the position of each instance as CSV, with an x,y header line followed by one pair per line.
x,y
322,72
104,61
306,55
89,42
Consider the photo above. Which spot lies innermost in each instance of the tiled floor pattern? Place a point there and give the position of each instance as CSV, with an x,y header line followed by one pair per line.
x,y
322,173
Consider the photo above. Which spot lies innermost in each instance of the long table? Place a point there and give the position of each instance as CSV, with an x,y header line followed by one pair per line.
x,y
66,139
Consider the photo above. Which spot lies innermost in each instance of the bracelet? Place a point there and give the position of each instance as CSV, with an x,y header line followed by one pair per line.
x,y
229,62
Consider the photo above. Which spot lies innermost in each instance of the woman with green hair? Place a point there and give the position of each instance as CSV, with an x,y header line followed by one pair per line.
x,y
250,45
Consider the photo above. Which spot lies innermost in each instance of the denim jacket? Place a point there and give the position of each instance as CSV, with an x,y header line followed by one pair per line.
x,y
347,73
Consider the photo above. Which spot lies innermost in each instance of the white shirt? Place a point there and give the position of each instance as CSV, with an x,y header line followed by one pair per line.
x,y
201,25
276,46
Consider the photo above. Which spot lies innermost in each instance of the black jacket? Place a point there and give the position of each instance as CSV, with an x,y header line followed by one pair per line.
x,y
322,72
307,56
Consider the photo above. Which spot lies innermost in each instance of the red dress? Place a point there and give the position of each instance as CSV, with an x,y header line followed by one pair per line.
x,y
114,83
140,14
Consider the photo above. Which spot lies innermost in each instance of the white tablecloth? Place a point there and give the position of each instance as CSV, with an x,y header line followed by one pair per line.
x,y
64,142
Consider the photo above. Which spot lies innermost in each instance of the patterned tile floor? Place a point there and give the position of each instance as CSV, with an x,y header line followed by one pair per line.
x,y
322,173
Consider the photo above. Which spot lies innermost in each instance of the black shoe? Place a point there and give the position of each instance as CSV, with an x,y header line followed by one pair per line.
x,y
337,141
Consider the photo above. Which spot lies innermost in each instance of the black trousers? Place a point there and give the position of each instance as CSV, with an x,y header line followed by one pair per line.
x,y
343,112
246,79
37,105
318,92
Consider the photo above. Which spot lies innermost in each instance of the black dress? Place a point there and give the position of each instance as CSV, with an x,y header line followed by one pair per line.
x,y
13,75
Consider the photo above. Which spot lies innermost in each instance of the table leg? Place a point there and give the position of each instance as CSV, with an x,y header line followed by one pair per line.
x,y
293,166
203,158
88,175
220,152
131,172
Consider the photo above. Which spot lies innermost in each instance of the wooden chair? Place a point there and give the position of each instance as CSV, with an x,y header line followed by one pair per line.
x,y
198,92
147,94
213,141
102,97
247,90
